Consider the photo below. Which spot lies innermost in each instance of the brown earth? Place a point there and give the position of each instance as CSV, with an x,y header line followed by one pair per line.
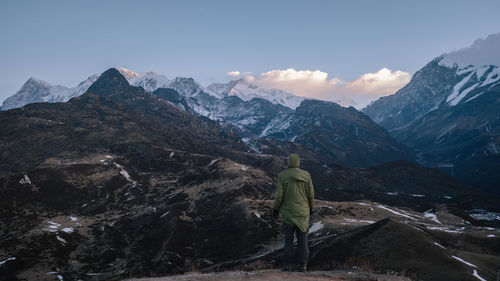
x,y
279,276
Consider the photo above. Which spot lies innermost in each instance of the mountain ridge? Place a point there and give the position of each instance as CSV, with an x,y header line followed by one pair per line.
x,y
121,183
448,113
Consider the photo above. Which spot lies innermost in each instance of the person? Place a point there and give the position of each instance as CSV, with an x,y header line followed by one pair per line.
x,y
294,201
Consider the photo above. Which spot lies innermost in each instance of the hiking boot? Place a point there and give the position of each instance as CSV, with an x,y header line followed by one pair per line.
x,y
302,269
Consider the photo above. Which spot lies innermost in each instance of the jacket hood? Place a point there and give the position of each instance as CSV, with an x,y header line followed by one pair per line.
x,y
300,176
293,160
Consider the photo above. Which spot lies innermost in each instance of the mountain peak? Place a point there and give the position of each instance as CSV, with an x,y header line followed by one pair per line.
x,y
247,90
36,81
110,82
150,81
127,73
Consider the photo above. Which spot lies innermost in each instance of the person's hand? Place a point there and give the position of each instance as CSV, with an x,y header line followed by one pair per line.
x,y
276,213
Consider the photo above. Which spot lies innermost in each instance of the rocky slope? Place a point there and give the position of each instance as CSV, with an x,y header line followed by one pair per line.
x,y
448,113
120,183
276,275
464,141
111,116
450,79
345,135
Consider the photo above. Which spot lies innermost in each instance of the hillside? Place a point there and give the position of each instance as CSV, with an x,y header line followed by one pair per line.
x,y
448,114
120,183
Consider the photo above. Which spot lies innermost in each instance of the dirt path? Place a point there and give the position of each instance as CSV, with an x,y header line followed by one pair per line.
x,y
277,275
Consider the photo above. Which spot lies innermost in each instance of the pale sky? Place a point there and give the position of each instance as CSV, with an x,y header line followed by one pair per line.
x,y
64,42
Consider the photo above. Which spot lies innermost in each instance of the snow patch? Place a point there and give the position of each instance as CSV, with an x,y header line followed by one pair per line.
x,y
62,240
252,144
480,71
276,125
492,147
417,195
124,173
68,229
25,180
474,273
259,216
444,132
431,216
446,229
57,274
491,236
492,77
457,90
54,224
9,259
465,70
358,221
475,96
317,226
395,212
242,167
439,245
463,94
462,261
480,214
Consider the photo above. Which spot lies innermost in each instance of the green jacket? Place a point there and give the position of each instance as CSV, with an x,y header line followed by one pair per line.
x,y
294,194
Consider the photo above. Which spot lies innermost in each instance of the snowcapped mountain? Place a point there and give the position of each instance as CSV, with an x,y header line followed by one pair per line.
x,y
150,81
93,173
479,67
221,90
35,90
453,78
127,73
255,111
199,97
448,113
187,87
474,78
340,134
247,91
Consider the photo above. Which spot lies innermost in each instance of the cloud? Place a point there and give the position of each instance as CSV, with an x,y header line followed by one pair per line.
x,y
371,86
294,75
316,84
234,74
382,82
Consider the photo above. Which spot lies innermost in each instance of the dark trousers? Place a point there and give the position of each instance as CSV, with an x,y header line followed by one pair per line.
x,y
303,249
